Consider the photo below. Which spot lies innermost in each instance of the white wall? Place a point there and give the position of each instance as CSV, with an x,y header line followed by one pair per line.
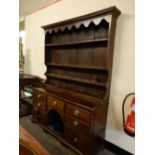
x,y
123,62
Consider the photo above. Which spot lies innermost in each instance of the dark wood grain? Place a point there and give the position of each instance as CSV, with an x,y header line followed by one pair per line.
x,y
75,96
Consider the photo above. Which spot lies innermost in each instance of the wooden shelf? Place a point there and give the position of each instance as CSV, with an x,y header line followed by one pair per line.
x,y
78,59
66,78
77,67
78,42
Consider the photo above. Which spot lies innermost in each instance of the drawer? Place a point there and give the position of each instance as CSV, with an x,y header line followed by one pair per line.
x,y
38,116
76,125
79,113
39,105
53,103
80,141
39,96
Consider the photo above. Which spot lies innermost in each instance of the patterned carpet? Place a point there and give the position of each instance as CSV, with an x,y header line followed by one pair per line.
x,y
48,141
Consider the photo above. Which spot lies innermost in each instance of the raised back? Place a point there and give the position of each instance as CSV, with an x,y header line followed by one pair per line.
x,y
78,56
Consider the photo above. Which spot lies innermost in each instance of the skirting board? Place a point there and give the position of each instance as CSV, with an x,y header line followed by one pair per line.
x,y
113,148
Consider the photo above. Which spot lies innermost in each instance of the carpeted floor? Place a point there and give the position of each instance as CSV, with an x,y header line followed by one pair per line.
x,y
48,141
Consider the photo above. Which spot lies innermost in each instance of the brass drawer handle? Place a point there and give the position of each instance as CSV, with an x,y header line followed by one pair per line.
x,y
54,102
76,112
75,123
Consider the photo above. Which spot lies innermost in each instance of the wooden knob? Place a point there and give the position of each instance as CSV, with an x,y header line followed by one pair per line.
x,y
75,123
76,112
38,104
75,139
54,102
38,96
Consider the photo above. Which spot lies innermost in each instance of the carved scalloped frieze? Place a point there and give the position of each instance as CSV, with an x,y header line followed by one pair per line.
x,y
77,25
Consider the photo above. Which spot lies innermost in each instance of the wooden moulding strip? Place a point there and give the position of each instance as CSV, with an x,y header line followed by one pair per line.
x,y
85,99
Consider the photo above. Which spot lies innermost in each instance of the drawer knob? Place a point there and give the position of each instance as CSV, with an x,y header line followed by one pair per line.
x,y
38,96
75,139
76,112
75,123
54,102
38,104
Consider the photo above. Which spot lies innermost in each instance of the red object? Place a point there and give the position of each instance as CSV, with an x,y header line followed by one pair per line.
x,y
129,125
